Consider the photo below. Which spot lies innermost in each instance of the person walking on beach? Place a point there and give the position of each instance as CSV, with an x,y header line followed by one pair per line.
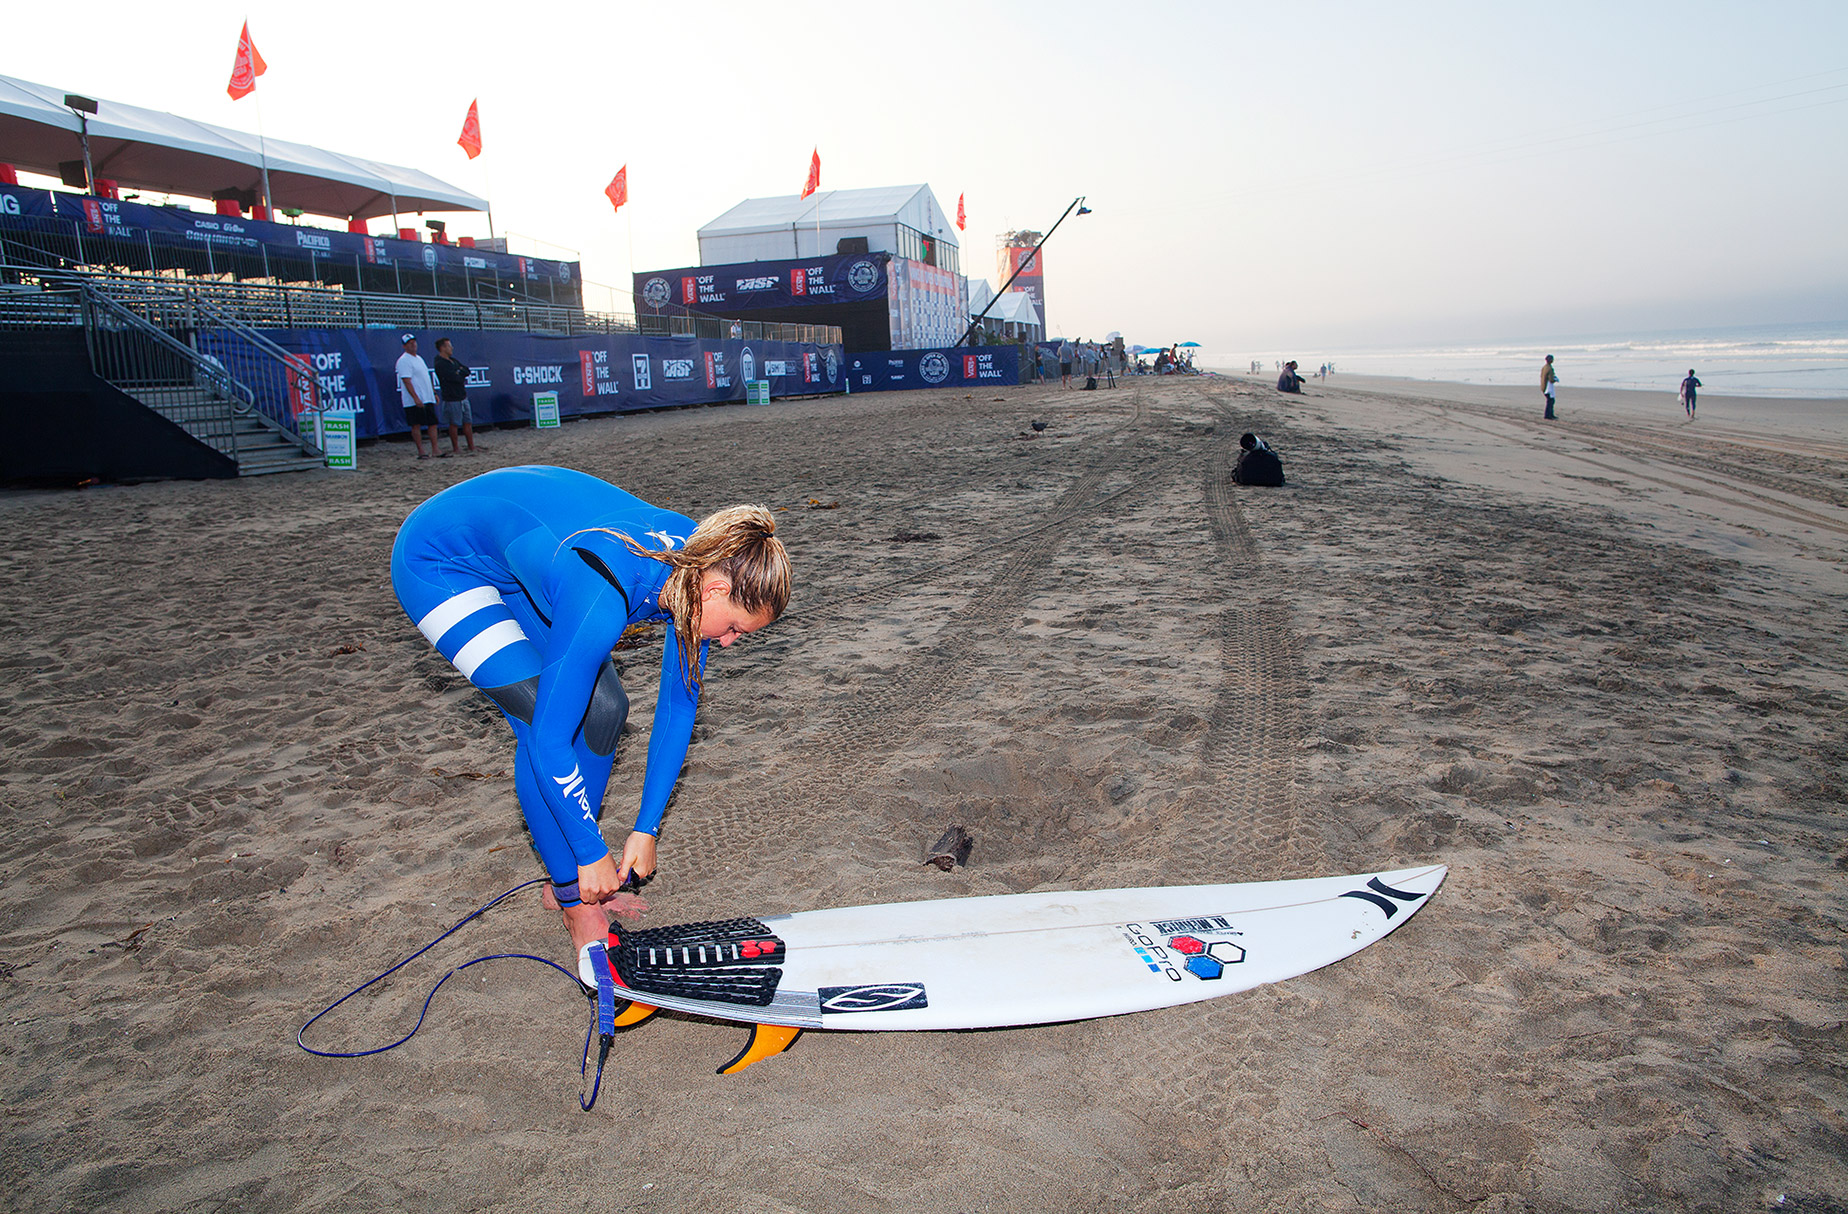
x,y
452,389
524,579
1689,387
1549,380
414,394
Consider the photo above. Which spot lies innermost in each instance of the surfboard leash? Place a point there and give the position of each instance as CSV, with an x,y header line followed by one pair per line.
x,y
602,997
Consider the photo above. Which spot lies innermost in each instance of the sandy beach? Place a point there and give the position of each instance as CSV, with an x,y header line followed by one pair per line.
x,y
1597,666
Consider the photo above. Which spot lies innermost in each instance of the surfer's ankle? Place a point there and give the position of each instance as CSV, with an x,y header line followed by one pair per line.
x,y
585,923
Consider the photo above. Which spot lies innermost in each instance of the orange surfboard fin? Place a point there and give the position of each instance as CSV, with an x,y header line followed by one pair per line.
x,y
766,1040
634,1013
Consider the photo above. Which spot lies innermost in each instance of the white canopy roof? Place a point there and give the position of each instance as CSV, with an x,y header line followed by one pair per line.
x,y
151,150
912,205
1014,307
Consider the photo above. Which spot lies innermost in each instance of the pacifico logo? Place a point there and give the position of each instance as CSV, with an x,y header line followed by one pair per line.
x,y
539,375
309,240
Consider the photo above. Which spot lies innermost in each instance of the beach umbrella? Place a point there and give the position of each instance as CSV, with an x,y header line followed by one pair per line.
x,y
1188,344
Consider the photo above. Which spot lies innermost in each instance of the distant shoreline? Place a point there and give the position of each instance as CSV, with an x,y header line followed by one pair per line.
x,y
1386,383
1815,417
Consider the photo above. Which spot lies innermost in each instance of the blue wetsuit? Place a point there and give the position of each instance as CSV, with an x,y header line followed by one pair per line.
x,y
501,575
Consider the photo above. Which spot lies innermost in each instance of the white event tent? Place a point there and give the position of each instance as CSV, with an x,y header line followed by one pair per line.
x,y
151,150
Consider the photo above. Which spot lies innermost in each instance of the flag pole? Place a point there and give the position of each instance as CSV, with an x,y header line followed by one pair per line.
x,y
263,150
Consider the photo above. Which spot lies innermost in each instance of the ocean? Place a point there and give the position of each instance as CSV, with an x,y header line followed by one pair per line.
x,y
1792,361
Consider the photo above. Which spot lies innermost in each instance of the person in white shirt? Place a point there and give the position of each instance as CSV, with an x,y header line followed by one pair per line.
x,y
414,393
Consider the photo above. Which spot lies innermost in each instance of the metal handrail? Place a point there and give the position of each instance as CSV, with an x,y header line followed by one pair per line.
x,y
137,356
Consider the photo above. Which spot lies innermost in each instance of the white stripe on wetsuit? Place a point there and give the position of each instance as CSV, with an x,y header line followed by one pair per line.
x,y
490,641
453,610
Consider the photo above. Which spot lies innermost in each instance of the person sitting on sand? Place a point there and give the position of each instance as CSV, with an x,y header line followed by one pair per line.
x,y
1289,381
525,578
1257,463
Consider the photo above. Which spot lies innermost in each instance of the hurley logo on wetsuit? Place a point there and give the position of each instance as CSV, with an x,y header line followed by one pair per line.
x,y
573,786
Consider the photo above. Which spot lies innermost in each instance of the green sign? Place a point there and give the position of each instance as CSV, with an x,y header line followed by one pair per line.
x,y
545,410
335,434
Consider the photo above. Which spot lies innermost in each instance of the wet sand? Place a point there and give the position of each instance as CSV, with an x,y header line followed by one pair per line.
x,y
1597,667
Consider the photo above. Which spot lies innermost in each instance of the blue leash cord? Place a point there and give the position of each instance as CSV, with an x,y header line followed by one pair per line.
x,y
603,995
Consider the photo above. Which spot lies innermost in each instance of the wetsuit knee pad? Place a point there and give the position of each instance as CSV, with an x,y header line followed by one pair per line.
x,y
517,700
609,709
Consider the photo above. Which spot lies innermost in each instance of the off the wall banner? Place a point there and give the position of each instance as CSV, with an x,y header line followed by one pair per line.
x,y
764,284
354,371
890,370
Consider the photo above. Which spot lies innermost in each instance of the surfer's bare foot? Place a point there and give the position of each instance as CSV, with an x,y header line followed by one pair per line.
x,y
587,924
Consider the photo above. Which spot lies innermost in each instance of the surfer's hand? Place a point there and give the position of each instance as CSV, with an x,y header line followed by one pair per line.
x,y
596,882
638,854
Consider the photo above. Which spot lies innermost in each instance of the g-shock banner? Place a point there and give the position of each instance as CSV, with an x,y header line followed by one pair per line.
x,y
354,369
753,285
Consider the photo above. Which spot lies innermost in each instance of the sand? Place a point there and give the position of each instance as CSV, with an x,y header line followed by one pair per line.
x,y
1596,666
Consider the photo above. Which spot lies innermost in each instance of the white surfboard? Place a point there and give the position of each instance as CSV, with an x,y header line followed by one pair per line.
x,y
961,963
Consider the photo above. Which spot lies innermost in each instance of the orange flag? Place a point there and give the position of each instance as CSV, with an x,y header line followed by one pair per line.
x,y
960,224
246,67
471,131
814,177
617,191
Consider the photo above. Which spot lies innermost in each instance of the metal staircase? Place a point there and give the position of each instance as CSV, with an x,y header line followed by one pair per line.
x,y
226,385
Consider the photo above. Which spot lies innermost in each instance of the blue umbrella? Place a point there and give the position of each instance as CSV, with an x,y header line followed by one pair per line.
x,y
1194,344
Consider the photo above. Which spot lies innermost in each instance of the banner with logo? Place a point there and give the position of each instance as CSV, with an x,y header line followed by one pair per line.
x,y
752,285
19,202
956,366
355,370
173,227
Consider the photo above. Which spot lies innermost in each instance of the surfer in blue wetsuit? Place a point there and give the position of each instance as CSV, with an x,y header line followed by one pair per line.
x,y
524,579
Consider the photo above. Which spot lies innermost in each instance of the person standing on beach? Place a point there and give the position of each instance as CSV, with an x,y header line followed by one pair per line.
x,y
1689,387
414,394
525,579
452,389
1549,379
1065,364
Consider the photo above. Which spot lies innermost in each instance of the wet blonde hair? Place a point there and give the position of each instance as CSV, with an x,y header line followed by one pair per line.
x,y
740,543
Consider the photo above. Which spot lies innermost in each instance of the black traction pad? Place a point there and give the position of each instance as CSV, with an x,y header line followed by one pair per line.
x,y
732,961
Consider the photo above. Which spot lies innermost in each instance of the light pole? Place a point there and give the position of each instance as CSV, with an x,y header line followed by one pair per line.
x,y
1026,261
82,106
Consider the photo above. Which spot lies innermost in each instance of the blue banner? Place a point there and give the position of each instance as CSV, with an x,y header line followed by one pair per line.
x,y
752,285
356,370
174,227
953,367
22,203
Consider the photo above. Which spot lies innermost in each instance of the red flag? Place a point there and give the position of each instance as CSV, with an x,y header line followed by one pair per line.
x,y
814,178
471,131
961,224
617,191
246,67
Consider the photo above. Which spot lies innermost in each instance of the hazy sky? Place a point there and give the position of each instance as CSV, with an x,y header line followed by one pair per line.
x,y
1262,175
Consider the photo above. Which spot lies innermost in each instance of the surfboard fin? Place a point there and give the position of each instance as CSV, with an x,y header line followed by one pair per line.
x,y
766,1040
633,1014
